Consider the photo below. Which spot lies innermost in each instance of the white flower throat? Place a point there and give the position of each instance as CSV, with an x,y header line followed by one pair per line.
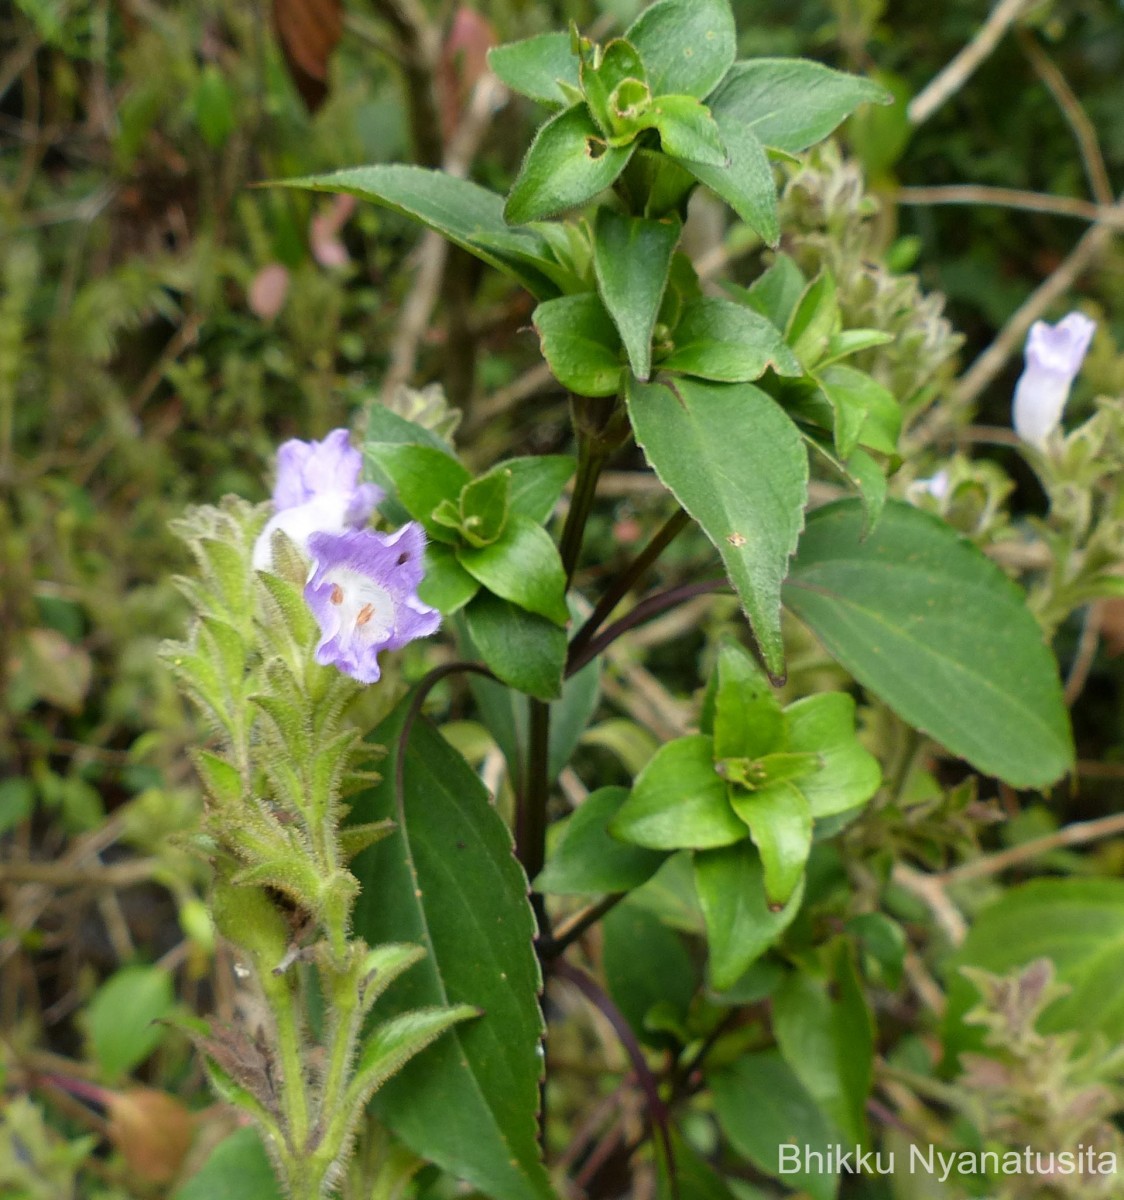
x,y
365,610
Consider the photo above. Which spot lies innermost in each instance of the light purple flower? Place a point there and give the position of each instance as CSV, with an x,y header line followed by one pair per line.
x,y
1054,354
363,594
936,486
317,491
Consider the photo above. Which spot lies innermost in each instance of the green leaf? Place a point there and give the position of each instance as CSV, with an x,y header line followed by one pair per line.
x,y
849,775
780,824
687,45
814,320
928,623
568,163
617,63
647,968
536,66
764,1109
524,650
693,1179
1076,923
448,881
679,801
121,1014
632,261
740,926
580,344
468,215
827,1038
687,130
851,341
423,479
484,506
447,586
792,103
390,1046
17,799
588,860
861,472
385,425
863,408
504,712
746,181
522,566
236,1169
537,482
747,716
775,293
727,343
737,465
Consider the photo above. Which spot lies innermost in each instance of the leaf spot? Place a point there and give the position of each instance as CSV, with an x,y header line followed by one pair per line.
x,y
736,539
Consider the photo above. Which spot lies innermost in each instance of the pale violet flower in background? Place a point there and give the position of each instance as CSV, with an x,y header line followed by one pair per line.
x,y
936,486
363,594
317,491
1054,354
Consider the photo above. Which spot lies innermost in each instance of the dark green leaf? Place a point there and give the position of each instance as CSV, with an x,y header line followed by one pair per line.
x,y
468,215
679,801
740,926
693,1178
828,1041
523,567
737,465
447,586
580,344
568,163
647,968
632,259
570,715
536,66
448,881
765,1110
746,182
791,103
588,860
925,621
727,343
687,45
524,650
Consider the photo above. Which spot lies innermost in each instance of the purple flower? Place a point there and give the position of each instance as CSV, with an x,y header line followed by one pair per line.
x,y
1054,354
363,594
317,491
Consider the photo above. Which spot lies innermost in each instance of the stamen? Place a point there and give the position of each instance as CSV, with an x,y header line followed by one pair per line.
x,y
337,594
365,614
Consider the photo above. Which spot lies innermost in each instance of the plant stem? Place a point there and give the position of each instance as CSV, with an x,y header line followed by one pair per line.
x,y
620,587
294,1096
573,930
649,607
590,461
530,838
